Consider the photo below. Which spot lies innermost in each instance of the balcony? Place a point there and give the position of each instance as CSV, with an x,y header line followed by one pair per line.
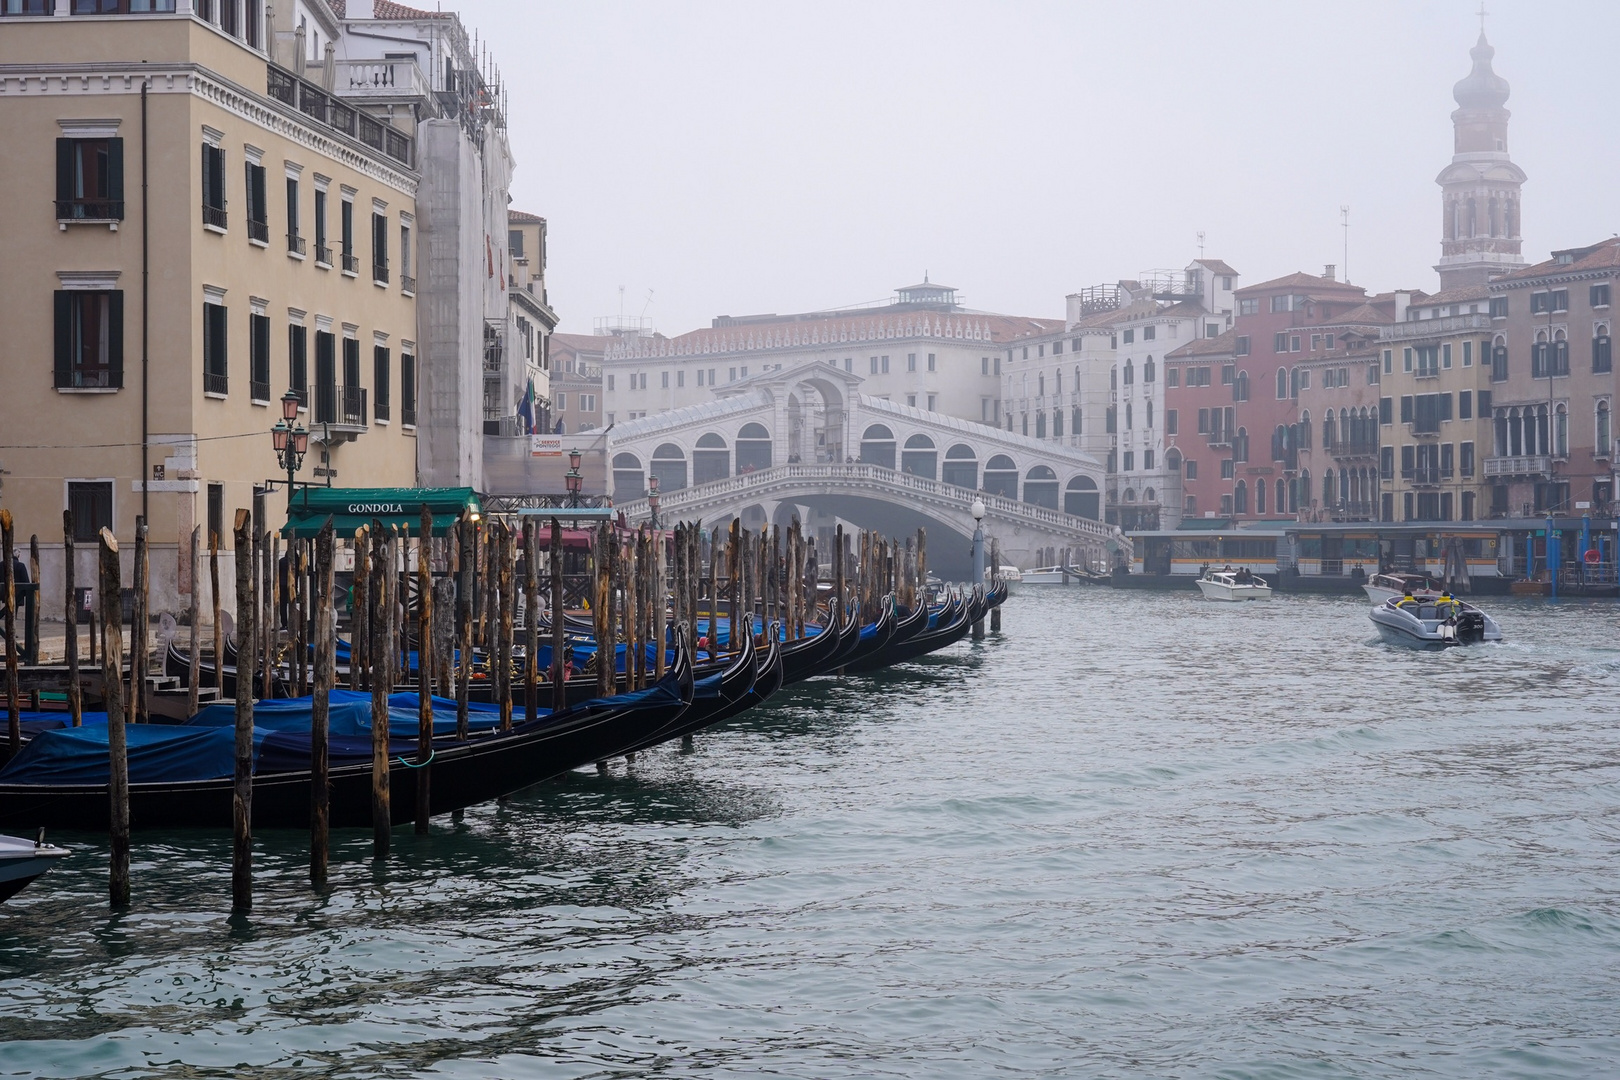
x,y
1424,429
1218,438
89,210
379,273
329,111
216,382
381,410
341,408
259,391
1529,466
381,80
258,230
351,263
1428,476
295,244
1353,449
407,285
215,216
323,255
1435,328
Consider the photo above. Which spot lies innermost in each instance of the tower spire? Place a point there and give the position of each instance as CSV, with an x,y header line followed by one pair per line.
x,y
1479,236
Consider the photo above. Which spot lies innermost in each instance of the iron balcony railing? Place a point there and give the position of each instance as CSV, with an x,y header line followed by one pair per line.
x,y
326,109
323,254
215,216
89,209
351,263
379,272
344,405
258,230
295,243
216,382
259,390
407,284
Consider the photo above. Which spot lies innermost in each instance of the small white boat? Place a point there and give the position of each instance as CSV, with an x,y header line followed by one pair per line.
x,y
1233,585
1010,574
1381,587
1428,621
21,861
1060,575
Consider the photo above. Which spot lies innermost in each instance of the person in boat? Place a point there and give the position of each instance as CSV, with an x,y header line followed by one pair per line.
x,y
1406,597
1448,606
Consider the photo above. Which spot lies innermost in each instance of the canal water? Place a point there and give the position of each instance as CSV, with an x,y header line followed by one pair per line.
x,y
1137,835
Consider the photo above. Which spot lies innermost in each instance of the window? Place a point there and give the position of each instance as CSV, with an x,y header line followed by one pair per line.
x,y
1329,341
1148,332
325,379
1499,361
1408,462
1552,300
1465,459
1499,307
1385,410
1279,342
885,360
379,248
215,360
1386,462
1446,463
89,339
1172,378
932,401
407,388
380,363
1228,374
298,362
407,280
91,503
680,379
1130,373
1445,355
213,186
27,7
731,376
259,358
562,402
89,177
1468,354
1603,443
323,252
911,361
1465,405
932,363
663,379
984,365
1602,352
1248,307
258,215
911,400
351,261
1406,409
295,243
1130,461
587,403
1598,295
1406,359
1129,336
1203,421
874,365
1227,469
1170,421
1242,347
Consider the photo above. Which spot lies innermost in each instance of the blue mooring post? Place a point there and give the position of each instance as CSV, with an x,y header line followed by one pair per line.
x,y
1552,556
978,560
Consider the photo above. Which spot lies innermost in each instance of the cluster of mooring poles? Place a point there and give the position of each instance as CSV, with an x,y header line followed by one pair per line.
x,y
550,647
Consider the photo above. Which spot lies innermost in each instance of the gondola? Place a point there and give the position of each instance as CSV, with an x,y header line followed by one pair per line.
x,y
765,679
872,639
178,664
813,655
463,773
946,627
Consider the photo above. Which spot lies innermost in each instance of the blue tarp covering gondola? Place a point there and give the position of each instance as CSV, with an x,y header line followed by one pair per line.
x,y
157,754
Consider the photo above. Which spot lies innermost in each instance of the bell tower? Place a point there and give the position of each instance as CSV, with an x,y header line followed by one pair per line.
x,y
1479,190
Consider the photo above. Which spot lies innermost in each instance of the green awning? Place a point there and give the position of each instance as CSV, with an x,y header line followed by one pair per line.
x,y
350,508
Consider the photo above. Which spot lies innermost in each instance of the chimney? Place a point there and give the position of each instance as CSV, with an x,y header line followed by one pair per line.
x,y
362,9
1329,270
1402,300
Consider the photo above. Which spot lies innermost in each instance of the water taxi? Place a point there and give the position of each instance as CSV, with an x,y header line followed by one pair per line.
x,y
21,861
1233,585
1381,587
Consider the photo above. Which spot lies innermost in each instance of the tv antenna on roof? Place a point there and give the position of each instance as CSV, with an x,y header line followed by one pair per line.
x,y
1344,223
1200,243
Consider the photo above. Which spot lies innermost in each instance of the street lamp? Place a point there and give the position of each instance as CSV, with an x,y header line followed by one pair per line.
x,y
977,510
573,478
652,497
289,439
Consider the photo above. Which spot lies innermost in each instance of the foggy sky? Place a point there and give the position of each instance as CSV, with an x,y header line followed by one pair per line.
x,y
738,158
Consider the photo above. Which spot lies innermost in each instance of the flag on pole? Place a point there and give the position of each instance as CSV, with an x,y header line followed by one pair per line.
x,y
526,409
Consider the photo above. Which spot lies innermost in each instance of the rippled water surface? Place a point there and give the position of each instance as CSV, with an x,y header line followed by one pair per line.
x,y
1136,835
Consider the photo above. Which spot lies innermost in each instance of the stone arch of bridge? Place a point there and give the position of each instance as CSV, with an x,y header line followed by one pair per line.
x,y
813,418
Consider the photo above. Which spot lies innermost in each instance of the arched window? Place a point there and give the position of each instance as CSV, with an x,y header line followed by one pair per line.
x,y
1330,489
1240,498
1281,505
1057,381
1074,421
1302,491
1305,430
1329,431
1259,496
1148,405
1001,476
1282,384
1113,377
669,465
711,459
628,481
753,448
961,467
1561,432
1127,416
1604,443
877,446
920,458
1149,495
1080,498
1541,429
1602,353
1057,423
1041,487
1040,424
1148,370
1240,387
1130,495
1129,373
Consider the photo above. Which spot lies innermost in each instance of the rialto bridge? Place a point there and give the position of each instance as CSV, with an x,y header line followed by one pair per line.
x,y
802,442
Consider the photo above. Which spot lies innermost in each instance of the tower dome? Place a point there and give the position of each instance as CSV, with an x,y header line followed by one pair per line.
x,y
1483,88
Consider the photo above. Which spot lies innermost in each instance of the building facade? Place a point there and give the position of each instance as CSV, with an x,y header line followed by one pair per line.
x,y
154,327
533,321
576,381
1552,385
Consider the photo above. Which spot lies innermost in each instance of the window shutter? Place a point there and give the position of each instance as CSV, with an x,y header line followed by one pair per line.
x,y
115,173
64,171
1445,406
115,338
261,211
64,336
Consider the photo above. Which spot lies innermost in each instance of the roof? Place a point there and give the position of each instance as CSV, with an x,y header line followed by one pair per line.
x,y
1453,296
1302,280
387,9
1604,255
522,217
1361,315
1102,320
1215,346
1216,265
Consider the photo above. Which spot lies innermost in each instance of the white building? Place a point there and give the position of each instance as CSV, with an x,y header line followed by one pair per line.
x,y
1095,383
923,350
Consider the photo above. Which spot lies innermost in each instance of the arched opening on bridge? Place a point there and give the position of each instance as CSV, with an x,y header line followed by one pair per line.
x,y
920,458
877,446
628,481
961,467
1041,487
1081,498
753,448
669,465
753,517
711,460
816,412
1001,477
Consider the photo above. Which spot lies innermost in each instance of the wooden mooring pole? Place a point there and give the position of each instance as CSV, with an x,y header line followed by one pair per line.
x,y
246,650
559,671
112,678
13,716
320,794
424,672
194,613
75,693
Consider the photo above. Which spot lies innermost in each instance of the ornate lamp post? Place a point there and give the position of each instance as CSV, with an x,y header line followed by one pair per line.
x,y
573,478
652,498
978,558
290,440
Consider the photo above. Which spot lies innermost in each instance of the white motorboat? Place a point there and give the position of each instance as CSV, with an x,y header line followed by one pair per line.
x,y
1233,585
1013,576
1430,621
1060,575
1381,587
21,861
